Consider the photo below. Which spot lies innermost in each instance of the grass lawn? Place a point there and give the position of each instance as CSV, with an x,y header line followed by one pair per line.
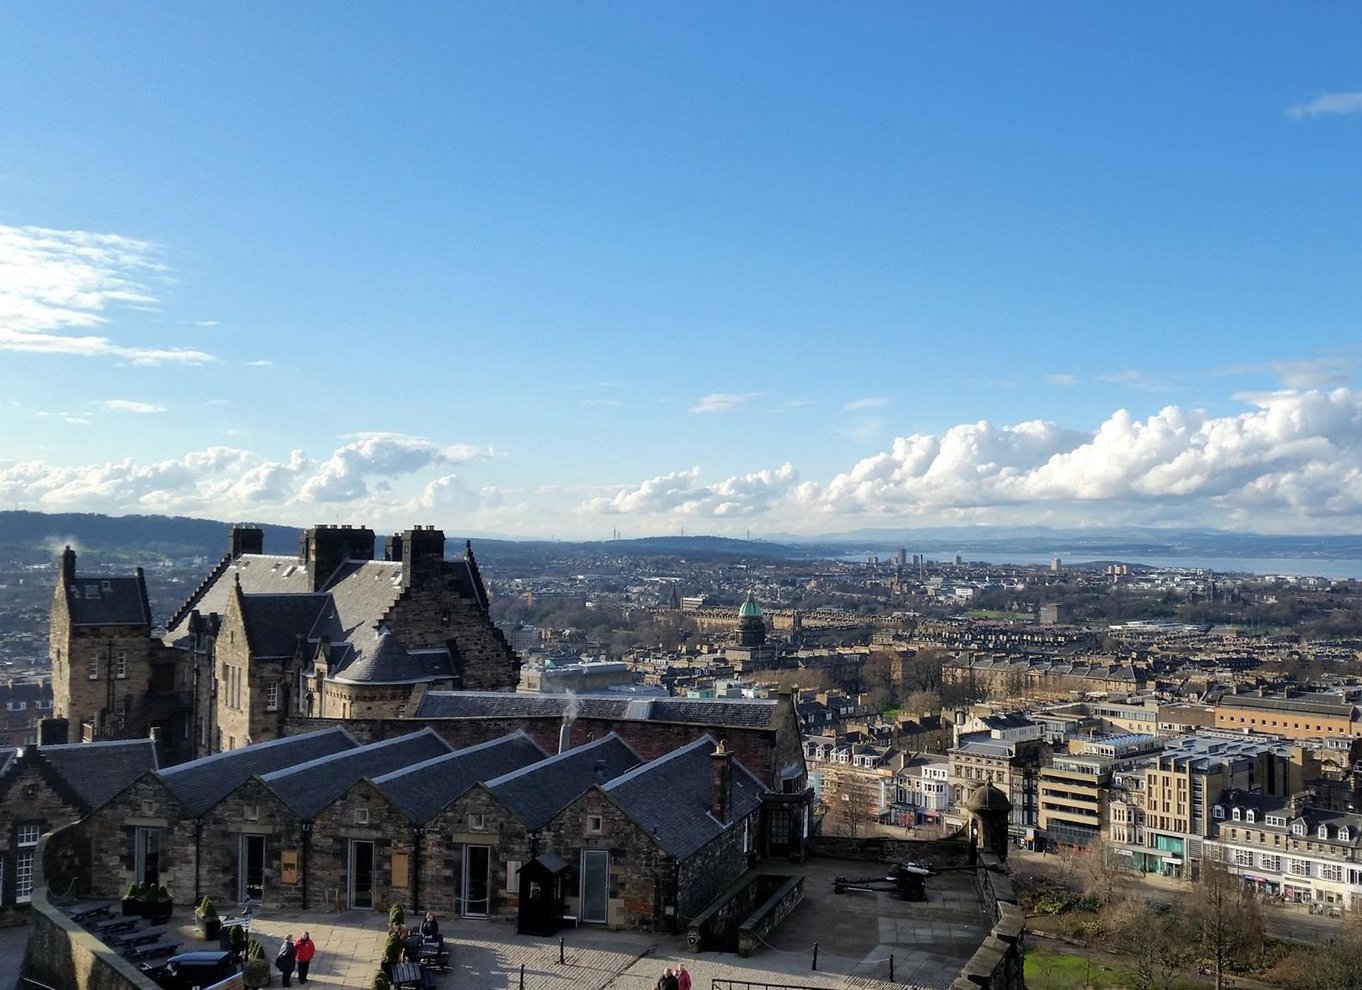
x,y
1048,969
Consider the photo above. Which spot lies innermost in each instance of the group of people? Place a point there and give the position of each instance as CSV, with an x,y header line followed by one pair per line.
x,y
674,978
295,955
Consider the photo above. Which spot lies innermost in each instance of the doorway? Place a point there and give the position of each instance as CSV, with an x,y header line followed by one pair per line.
x,y
148,855
477,883
361,874
251,882
595,904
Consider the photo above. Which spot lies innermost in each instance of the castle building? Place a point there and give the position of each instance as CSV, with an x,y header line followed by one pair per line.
x,y
331,632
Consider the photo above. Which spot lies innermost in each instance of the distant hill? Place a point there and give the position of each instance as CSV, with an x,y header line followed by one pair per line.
x,y
26,533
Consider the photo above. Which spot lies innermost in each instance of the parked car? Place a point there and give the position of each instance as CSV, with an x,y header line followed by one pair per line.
x,y
190,970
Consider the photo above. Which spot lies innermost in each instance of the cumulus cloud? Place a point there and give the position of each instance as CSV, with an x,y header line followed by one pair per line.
x,y
683,493
858,405
56,286
1294,457
1328,103
346,473
128,405
721,402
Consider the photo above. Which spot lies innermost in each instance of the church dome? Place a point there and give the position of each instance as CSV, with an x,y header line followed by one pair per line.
x,y
750,609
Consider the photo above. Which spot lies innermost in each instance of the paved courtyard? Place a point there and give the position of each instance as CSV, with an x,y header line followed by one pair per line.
x,y
856,933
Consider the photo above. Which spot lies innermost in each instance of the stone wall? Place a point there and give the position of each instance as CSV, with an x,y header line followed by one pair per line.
x,y
30,794
998,963
885,849
704,875
770,913
716,928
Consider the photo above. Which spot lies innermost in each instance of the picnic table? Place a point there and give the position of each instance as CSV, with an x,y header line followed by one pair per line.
x,y
151,950
111,926
137,936
434,954
89,911
410,976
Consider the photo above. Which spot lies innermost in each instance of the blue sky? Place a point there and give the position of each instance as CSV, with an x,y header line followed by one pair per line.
x,y
564,270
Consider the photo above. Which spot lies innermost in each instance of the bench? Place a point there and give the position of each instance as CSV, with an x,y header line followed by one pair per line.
x,y
112,926
151,950
82,913
434,954
409,976
135,936
572,918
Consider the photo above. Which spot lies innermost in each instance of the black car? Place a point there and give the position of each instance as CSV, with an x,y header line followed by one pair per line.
x,y
189,970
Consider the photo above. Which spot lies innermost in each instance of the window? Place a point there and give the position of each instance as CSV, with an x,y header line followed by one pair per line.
x,y
1237,814
1323,831
1272,863
1243,857
1299,867
593,824
121,663
361,816
1331,871
94,669
1218,812
148,807
271,697
251,813
1298,828
1250,815
477,822
26,839
1343,834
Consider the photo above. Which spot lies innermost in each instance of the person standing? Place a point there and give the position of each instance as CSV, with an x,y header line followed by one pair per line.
x,y
304,950
682,977
288,955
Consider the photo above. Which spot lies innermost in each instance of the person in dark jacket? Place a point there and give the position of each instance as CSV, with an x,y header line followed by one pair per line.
x,y
430,929
288,955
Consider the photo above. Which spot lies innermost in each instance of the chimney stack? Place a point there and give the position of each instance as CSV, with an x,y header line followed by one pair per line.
x,y
565,737
720,782
245,539
68,566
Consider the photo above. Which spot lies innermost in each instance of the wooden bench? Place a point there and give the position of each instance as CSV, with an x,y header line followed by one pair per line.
x,y
407,976
112,926
151,950
92,911
134,936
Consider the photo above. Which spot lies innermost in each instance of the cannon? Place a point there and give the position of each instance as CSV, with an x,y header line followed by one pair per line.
x,y
907,880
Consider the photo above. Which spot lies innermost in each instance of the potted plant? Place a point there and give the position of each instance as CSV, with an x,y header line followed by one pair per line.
x,y
207,917
256,971
237,940
157,904
132,900
381,982
392,952
396,916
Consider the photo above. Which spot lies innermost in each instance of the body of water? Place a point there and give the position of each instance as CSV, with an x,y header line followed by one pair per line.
x,y
1287,566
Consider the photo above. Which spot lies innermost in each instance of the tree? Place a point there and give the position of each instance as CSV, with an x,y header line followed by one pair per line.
x,y
853,805
1154,936
882,675
1226,923
1102,871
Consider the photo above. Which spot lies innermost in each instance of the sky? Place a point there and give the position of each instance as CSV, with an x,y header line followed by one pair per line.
x,y
577,270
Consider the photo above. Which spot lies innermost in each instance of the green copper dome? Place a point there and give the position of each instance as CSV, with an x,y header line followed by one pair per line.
x,y
750,609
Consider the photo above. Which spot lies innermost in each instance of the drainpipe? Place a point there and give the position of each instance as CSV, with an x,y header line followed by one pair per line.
x,y
307,844
198,834
417,834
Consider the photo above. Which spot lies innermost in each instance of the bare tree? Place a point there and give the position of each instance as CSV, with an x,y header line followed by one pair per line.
x,y
1157,939
853,805
1225,921
1102,871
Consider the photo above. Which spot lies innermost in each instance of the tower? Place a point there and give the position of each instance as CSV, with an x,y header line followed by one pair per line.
x,y
751,626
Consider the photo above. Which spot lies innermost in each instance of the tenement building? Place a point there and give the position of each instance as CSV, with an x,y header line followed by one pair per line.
x,y
332,632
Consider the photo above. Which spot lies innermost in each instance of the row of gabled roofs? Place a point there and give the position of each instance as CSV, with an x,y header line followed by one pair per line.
x,y
421,774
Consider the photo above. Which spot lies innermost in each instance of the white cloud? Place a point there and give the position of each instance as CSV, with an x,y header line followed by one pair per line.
x,y
1292,461
1136,379
127,405
343,476
1326,103
1323,372
261,363
1061,379
56,286
721,402
857,405
681,492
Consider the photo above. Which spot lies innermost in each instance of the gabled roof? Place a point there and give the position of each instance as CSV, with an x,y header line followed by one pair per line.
x,y
380,659
669,798
422,791
95,600
538,792
274,622
97,771
750,712
309,787
202,783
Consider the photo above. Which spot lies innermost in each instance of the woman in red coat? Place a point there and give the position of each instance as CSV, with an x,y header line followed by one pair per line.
x,y
305,949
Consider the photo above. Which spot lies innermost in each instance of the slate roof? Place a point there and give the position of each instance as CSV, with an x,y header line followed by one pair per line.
x,y
108,601
538,792
670,798
202,783
423,790
309,787
756,713
97,771
381,659
273,622
1316,705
